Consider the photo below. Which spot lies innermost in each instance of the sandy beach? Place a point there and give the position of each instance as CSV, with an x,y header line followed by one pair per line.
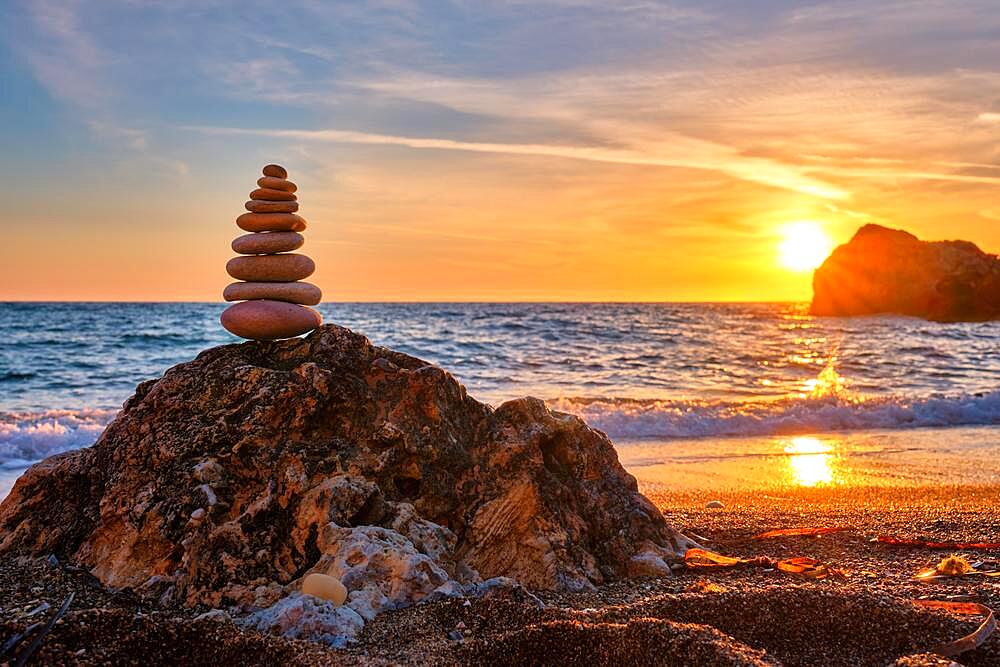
x,y
729,616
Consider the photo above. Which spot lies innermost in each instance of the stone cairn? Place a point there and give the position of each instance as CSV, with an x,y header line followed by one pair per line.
x,y
274,303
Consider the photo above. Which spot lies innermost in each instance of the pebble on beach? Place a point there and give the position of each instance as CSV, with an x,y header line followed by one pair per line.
x,y
325,587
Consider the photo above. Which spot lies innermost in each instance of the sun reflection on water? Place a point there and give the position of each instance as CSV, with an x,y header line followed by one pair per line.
x,y
828,383
810,462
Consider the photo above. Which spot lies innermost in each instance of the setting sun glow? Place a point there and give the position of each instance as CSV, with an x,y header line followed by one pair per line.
x,y
804,246
809,461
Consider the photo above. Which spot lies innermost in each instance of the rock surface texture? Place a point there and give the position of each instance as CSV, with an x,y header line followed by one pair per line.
x,y
235,475
891,271
275,304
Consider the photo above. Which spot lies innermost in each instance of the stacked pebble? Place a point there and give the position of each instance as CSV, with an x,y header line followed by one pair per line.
x,y
274,302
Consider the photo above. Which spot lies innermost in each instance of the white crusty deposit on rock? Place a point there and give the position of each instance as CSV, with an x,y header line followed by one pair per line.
x,y
300,616
381,568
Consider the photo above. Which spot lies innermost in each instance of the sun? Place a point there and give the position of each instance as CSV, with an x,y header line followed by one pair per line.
x,y
804,246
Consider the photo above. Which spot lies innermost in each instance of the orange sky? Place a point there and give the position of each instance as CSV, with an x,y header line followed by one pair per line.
x,y
499,168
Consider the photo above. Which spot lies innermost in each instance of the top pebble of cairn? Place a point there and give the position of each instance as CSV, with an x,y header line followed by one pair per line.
x,y
274,301
275,171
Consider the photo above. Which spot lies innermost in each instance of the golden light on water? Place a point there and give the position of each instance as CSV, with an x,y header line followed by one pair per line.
x,y
810,461
804,246
828,383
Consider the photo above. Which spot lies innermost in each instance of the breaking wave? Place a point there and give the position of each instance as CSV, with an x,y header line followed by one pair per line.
x,y
28,437
630,418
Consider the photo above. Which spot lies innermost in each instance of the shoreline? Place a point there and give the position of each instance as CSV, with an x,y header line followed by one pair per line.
x,y
890,458
865,619
913,458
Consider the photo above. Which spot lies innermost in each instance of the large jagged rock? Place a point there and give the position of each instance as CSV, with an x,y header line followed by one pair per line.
x,y
884,270
234,475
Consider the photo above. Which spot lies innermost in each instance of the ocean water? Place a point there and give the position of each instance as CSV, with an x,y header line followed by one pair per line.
x,y
659,379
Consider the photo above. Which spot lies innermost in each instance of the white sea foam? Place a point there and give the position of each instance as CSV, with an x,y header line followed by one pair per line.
x,y
27,437
31,436
625,418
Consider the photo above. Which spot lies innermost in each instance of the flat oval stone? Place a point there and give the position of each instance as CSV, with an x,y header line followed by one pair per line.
x,y
271,222
325,587
276,184
267,243
275,170
271,206
284,268
305,293
267,194
269,320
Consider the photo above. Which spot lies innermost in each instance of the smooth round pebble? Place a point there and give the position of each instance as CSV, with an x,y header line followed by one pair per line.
x,y
305,293
271,222
276,184
267,194
269,320
275,170
255,206
714,505
266,243
283,268
325,587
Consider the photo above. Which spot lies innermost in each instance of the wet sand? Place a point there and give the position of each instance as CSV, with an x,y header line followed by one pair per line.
x,y
906,458
738,616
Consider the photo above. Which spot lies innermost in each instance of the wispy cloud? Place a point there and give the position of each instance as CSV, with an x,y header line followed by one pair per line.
x,y
72,65
691,154
65,57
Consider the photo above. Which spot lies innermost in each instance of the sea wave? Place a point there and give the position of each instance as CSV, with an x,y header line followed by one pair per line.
x,y
631,418
27,437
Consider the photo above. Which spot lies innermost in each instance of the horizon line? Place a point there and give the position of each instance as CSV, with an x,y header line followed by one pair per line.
x,y
429,302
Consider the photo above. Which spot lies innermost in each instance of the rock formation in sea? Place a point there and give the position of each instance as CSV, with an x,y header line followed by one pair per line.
x,y
228,480
884,270
274,303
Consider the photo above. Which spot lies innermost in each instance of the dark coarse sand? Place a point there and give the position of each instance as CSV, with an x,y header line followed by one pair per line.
x,y
739,616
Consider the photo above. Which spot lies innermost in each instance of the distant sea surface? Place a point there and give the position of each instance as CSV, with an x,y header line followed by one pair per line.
x,y
667,382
